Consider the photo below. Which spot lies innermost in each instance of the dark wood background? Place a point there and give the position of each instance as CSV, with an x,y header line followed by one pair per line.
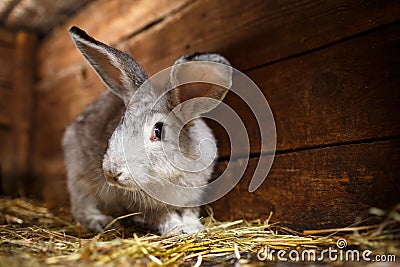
x,y
7,49
329,70
16,90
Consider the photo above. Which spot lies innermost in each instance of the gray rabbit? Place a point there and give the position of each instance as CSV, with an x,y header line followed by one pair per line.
x,y
125,140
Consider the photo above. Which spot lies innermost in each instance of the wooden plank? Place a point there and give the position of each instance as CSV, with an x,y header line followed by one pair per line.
x,y
7,37
5,107
8,184
58,107
261,32
6,65
347,92
22,104
41,15
319,188
109,21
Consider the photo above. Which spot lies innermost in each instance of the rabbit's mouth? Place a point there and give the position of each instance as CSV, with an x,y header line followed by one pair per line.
x,y
114,179
119,180
113,182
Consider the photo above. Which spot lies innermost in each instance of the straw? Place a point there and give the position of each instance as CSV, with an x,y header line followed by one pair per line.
x,y
31,235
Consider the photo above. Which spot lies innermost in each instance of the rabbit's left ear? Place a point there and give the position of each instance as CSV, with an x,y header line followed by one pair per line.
x,y
198,83
119,72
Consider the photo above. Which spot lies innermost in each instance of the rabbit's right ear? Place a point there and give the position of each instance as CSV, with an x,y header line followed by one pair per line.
x,y
120,72
198,83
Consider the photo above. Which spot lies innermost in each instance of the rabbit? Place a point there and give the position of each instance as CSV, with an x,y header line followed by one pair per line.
x,y
98,173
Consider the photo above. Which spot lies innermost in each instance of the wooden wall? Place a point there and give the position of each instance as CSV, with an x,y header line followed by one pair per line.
x,y
37,16
329,70
7,49
17,50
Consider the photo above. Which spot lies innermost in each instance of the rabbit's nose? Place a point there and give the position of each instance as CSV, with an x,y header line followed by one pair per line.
x,y
112,176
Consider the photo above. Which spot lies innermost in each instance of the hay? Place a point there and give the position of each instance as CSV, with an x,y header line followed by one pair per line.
x,y
31,235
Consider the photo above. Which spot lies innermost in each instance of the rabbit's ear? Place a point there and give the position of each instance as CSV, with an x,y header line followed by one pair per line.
x,y
120,72
199,83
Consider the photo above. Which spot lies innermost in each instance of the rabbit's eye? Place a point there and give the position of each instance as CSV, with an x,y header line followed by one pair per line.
x,y
157,132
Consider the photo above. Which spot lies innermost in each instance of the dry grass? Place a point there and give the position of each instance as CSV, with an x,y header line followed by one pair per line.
x,y
31,235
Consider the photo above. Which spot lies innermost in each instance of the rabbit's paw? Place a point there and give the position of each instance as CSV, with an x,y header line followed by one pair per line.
x,y
192,227
96,223
171,225
191,222
175,224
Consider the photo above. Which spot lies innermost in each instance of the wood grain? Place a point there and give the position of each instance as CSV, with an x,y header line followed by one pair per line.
x,y
7,43
262,32
5,106
8,185
249,33
48,166
346,92
328,187
7,37
6,65
108,21
22,104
